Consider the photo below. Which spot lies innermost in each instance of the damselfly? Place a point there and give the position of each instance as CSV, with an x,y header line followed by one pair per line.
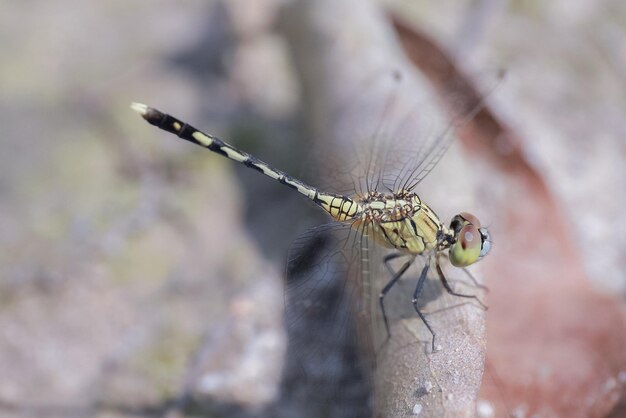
x,y
396,219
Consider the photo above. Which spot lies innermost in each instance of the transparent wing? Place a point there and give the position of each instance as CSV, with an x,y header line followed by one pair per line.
x,y
323,292
398,144
334,321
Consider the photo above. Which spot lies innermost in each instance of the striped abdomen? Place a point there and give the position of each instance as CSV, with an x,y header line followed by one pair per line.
x,y
341,208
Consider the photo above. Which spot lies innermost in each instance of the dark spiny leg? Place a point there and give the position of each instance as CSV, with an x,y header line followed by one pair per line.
x,y
445,283
473,279
394,279
416,294
390,257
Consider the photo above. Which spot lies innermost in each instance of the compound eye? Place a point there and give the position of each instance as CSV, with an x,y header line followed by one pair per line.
x,y
467,248
470,219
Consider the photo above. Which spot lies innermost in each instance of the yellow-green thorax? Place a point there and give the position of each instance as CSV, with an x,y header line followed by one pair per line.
x,y
397,220
402,221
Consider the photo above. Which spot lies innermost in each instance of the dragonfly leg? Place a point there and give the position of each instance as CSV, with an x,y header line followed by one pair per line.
x,y
390,257
445,283
416,294
395,276
473,279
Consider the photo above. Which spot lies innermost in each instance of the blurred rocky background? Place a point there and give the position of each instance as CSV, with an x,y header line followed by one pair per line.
x,y
142,277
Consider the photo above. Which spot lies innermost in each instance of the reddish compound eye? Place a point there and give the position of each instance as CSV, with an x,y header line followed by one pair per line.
x,y
470,219
466,249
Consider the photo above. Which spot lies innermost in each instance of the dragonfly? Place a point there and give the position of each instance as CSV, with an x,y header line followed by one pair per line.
x,y
396,219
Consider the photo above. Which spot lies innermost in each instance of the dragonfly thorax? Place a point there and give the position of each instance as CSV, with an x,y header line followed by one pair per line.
x,y
401,220
381,207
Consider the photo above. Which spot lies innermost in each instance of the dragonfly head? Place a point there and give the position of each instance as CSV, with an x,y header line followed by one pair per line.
x,y
471,241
